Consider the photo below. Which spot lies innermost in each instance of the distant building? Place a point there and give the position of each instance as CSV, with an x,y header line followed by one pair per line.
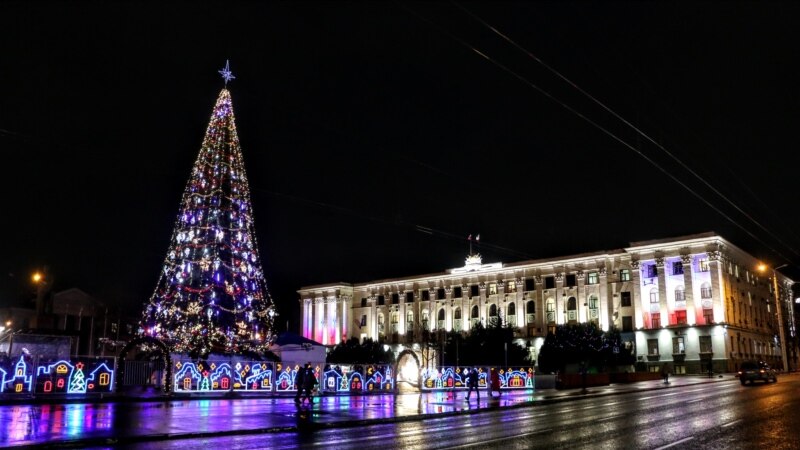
x,y
89,327
694,302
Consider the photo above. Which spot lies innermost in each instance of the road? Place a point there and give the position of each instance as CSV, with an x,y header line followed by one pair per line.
x,y
722,415
689,413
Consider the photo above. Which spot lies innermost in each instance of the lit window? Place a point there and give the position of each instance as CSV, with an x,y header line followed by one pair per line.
x,y
702,265
594,278
625,275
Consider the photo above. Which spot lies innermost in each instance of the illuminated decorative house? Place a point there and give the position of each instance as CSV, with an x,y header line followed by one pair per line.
x,y
695,302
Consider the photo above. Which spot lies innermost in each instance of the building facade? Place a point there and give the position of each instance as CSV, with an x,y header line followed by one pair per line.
x,y
696,303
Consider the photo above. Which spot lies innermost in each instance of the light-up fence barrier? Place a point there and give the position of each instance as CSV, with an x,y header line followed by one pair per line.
x,y
456,377
25,374
358,378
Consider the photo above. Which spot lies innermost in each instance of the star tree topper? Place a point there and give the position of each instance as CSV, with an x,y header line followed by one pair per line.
x,y
226,73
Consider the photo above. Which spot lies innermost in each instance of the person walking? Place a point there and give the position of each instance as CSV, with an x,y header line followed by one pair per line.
x,y
472,383
298,383
494,383
309,381
665,373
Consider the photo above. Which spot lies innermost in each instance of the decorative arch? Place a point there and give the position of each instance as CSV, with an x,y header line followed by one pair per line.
x,y
492,310
572,304
475,312
166,381
512,309
408,377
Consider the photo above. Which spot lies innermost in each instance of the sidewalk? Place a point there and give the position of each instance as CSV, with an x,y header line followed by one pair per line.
x,y
111,423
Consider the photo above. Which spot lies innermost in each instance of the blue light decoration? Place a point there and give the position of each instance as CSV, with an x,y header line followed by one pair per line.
x,y
220,376
21,381
54,378
101,379
343,378
520,378
379,378
454,378
286,379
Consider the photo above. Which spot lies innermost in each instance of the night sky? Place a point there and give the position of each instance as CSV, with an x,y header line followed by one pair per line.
x,y
376,140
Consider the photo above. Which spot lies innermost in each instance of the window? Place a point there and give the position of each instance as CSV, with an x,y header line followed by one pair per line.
x,y
530,312
571,280
655,320
572,309
440,294
492,288
457,292
550,308
627,323
705,344
425,320
529,284
440,320
410,318
680,317
680,295
651,271
653,297
363,303
474,290
677,345
381,300
457,319
395,319
550,282
380,323
677,268
492,310
625,298
594,311
474,316
395,298
625,275
708,316
426,295
652,347
512,309
594,278
363,320
409,297
702,266
705,290
511,286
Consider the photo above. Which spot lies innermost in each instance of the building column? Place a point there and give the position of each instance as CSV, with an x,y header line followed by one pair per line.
x,y
520,303
482,304
605,310
639,307
561,298
717,290
662,292
581,298
688,289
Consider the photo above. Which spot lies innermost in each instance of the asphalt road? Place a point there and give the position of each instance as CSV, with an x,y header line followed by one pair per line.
x,y
722,415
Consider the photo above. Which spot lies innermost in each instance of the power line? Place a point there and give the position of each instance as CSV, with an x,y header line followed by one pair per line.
x,y
604,130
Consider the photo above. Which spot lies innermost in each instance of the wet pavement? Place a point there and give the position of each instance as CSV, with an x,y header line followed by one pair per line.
x,y
121,422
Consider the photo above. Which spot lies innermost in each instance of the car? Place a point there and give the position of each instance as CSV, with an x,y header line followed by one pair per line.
x,y
756,370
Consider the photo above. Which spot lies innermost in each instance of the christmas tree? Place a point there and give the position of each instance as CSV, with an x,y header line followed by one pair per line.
x,y
211,295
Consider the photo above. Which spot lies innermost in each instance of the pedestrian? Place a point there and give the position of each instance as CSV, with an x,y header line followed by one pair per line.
x,y
494,378
298,384
665,373
472,383
309,382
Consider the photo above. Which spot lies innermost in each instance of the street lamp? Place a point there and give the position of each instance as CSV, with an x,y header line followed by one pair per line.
x,y
784,356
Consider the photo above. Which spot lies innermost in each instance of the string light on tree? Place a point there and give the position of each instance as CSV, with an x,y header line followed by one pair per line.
x,y
211,294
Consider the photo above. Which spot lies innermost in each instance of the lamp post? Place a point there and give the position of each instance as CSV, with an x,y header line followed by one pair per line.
x,y
782,333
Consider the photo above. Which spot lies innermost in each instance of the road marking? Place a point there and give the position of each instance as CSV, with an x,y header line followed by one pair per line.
x,y
608,418
696,400
676,443
731,423
505,438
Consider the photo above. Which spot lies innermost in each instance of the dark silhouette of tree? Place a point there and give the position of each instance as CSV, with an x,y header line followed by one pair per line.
x,y
353,351
583,344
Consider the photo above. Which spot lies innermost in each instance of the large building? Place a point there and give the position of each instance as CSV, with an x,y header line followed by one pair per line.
x,y
694,302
